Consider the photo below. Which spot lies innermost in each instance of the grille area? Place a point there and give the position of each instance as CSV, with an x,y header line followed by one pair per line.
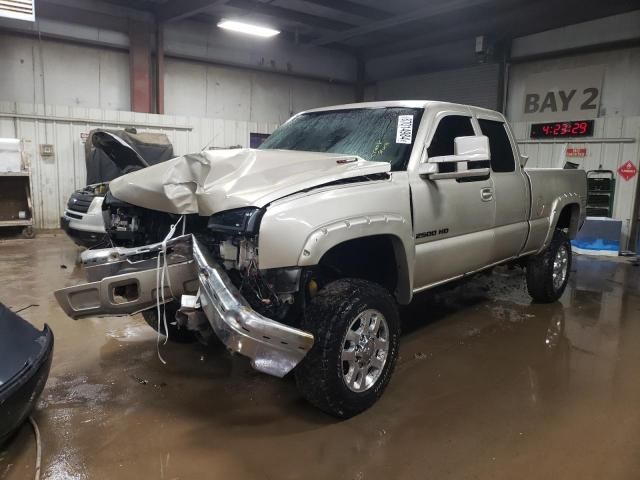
x,y
79,202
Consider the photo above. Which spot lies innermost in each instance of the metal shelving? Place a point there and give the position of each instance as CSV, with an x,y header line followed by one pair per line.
x,y
15,196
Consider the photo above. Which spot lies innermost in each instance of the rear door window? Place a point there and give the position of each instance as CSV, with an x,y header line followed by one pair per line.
x,y
499,145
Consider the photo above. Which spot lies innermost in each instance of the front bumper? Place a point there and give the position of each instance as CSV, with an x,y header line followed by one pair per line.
x,y
85,229
123,281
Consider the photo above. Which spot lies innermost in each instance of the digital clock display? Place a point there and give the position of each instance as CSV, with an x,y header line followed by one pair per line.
x,y
580,128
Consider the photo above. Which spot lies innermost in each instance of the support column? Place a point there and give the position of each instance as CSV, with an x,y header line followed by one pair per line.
x,y
160,68
503,55
140,67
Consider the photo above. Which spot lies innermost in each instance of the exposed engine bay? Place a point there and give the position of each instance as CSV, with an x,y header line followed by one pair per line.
x,y
232,240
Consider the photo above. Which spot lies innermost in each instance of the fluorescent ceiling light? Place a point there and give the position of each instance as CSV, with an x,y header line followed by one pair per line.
x,y
248,28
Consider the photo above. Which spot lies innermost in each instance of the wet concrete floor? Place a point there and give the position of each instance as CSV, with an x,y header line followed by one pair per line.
x,y
488,386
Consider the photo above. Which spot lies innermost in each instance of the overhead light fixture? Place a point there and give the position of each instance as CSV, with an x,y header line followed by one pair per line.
x,y
248,28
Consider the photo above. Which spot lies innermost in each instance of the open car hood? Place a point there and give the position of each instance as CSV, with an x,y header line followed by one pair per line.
x,y
214,181
119,151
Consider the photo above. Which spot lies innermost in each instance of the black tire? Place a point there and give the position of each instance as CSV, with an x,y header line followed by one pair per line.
x,y
176,334
28,232
540,270
329,315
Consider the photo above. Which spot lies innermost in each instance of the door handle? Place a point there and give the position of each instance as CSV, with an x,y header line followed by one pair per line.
x,y
486,194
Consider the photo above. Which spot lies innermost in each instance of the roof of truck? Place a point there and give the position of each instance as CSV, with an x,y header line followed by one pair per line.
x,y
400,103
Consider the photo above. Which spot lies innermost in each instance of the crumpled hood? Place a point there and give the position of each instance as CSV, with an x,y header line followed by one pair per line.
x,y
217,180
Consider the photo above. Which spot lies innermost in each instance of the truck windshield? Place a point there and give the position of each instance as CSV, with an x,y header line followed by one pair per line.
x,y
376,134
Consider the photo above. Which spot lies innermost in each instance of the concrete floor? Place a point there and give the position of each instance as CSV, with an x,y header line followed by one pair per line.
x,y
488,386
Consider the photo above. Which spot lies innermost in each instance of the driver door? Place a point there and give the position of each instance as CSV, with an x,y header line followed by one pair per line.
x,y
453,218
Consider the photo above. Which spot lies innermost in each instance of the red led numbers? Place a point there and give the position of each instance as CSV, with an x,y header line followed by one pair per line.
x,y
581,128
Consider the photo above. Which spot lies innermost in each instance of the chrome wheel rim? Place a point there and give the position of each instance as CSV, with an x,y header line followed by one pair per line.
x,y
560,267
365,350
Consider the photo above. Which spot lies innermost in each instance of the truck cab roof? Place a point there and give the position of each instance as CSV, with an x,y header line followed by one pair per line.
x,y
426,104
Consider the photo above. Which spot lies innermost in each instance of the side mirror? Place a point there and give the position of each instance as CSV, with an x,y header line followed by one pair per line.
x,y
467,149
523,160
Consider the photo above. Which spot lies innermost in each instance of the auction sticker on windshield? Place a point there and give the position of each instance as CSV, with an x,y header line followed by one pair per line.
x,y
405,129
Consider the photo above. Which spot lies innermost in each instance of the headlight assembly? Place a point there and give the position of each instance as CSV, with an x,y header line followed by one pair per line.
x,y
237,221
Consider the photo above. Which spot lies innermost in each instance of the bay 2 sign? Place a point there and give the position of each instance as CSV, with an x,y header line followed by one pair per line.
x,y
563,94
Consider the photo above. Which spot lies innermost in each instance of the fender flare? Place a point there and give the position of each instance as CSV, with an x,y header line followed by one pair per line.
x,y
557,206
324,238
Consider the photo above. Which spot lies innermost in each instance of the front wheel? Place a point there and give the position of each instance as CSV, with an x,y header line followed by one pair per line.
x,y
356,327
176,333
28,232
548,271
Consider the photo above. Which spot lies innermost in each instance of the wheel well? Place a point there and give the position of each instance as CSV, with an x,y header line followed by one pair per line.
x,y
568,219
370,258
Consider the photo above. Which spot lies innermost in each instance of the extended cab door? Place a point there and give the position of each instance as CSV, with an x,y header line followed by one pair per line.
x,y
511,188
453,218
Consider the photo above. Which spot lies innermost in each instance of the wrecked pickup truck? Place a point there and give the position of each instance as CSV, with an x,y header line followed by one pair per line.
x,y
298,254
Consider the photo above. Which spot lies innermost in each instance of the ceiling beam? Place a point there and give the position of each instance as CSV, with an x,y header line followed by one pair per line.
x,y
430,10
177,10
287,15
352,8
515,22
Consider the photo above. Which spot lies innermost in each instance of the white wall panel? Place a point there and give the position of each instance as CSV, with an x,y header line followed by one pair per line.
x,y
59,73
54,179
620,94
206,42
193,88
607,154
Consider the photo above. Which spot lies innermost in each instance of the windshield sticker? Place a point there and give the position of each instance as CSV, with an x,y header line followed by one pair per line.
x,y
405,129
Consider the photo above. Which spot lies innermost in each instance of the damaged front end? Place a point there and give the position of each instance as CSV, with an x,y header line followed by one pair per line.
x,y
124,280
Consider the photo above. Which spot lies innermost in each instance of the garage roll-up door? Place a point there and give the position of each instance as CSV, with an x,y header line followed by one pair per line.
x,y
477,85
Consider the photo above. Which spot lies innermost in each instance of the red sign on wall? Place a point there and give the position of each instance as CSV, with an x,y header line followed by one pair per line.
x,y
628,170
576,152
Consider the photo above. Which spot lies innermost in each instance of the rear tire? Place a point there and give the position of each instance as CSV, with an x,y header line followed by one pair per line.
x,y
356,327
548,272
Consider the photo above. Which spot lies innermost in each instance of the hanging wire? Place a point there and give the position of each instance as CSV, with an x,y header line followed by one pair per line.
x,y
162,272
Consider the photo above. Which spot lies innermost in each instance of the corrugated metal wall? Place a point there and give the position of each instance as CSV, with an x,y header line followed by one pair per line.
x,y
615,141
55,178
58,73
476,85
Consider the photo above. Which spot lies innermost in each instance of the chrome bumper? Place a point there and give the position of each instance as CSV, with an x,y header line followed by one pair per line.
x,y
123,281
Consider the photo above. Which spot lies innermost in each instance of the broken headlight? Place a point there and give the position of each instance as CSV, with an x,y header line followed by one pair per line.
x,y
236,221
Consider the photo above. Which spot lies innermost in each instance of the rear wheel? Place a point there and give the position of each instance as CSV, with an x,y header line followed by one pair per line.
x,y
356,328
548,272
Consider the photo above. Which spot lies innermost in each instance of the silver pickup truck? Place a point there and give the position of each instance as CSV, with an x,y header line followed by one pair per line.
x,y
298,254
